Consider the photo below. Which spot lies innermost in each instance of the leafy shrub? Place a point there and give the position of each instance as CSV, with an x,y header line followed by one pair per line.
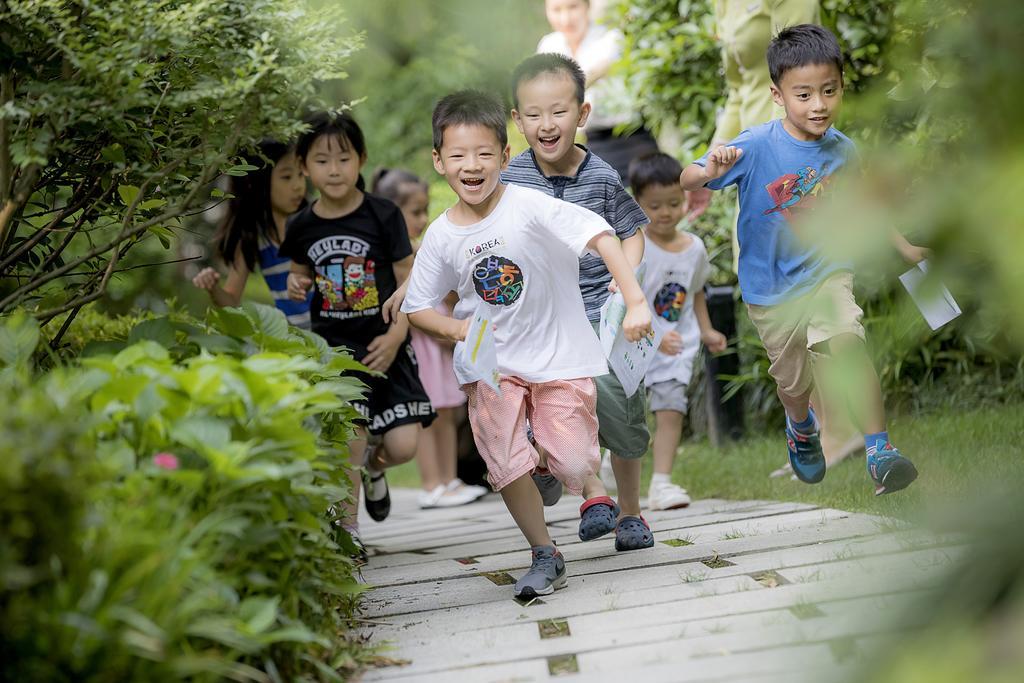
x,y
163,505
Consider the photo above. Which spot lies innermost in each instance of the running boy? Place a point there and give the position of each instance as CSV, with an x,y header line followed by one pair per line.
x,y
801,303
518,250
548,95
677,268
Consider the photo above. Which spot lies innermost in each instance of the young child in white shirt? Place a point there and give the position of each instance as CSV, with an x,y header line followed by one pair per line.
x,y
517,251
677,269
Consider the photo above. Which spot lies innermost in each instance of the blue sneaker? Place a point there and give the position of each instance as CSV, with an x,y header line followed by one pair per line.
x,y
889,470
805,454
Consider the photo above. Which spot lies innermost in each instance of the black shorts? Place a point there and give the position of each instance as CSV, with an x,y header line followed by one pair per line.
x,y
397,399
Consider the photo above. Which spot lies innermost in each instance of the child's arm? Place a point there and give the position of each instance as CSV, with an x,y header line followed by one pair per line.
x,y
712,338
633,248
393,305
911,254
231,293
717,164
381,351
300,280
440,326
637,323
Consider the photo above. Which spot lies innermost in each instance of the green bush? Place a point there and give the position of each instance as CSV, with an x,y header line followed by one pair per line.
x,y
163,505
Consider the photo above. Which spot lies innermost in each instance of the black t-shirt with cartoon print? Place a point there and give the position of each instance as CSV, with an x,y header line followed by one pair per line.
x,y
352,259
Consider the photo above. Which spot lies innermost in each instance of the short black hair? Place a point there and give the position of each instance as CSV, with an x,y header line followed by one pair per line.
x,y
656,168
469,107
548,63
339,125
802,45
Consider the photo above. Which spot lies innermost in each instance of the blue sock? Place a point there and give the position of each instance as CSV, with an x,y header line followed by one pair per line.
x,y
806,427
871,439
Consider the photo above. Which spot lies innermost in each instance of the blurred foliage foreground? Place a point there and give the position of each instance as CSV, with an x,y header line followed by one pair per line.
x,y
163,503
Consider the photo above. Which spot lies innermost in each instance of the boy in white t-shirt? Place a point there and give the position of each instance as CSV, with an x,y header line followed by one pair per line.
x,y
518,250
677,268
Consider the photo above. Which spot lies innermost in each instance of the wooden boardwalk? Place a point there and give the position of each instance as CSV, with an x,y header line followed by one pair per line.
x,y
751,592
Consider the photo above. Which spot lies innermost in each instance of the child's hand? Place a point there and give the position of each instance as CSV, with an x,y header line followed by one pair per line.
x,y
613,286
206,279
714,340
382,350
393,306
671,343
637,323
697,202
298,286
721,160
463,329
913,254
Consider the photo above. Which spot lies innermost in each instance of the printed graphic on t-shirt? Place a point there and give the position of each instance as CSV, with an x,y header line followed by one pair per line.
x,y
345,278
498,280
796,192
668,303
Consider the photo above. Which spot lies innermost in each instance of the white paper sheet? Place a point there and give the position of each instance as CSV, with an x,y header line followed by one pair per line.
x,y
933,299
613,312
479,353
630,360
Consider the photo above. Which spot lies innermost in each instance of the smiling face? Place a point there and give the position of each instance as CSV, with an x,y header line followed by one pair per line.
x,y
548,116
664,205
471,159
571,18
287,185
333,168
811,95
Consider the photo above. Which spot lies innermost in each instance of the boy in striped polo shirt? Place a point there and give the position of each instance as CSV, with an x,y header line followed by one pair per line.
x,y
548,96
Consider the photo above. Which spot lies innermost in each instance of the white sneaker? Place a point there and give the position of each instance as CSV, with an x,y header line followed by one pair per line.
x,y
429,499
457,484
666,496
606,473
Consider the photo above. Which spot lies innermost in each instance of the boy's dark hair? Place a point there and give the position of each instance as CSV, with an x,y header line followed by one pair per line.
x,y
802,45
656,168
341,126
396,184
548,63
250,216
470,107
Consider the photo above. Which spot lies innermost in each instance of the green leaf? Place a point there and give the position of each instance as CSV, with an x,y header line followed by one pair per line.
x,y
113,153
232,321
259,614
128,193
201,433
19,336
270,320
159,330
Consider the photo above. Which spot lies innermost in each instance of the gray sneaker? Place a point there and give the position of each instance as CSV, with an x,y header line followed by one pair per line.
x,y
549,487
547,573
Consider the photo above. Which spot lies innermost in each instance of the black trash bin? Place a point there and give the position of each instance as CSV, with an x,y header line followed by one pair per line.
x,y
725,417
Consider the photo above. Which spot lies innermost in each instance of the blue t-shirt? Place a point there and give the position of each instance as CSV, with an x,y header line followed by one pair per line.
x,y
780,179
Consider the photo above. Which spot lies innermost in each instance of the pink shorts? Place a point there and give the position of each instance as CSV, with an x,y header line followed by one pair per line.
x,y
564,420
436,372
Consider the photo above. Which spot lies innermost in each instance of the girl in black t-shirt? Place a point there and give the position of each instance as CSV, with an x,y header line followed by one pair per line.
x,y
351,248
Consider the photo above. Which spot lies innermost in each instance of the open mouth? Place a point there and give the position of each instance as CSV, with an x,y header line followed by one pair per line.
x,y
549,142
473,183
818,119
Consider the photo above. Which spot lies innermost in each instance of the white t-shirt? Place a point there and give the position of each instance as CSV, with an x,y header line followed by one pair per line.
x,y
672,280
608,96
523,261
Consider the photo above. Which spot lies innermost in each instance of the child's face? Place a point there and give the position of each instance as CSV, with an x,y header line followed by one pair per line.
x,y
287,185
548,115
471,160
414,211
664,205
571,18
333,168
811,95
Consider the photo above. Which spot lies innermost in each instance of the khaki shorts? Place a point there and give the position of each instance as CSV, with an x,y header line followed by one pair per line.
x,y
622,420
790,330
667,395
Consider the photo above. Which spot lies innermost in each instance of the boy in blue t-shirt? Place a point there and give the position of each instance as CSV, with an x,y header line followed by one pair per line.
x,y
801,303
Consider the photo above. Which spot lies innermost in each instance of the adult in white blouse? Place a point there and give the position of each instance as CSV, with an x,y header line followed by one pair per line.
x,y
615,130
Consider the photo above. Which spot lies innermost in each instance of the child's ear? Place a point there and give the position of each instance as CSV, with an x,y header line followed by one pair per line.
x,y
585,110
506,156
438,162
302,168
518,121
777,96
362,160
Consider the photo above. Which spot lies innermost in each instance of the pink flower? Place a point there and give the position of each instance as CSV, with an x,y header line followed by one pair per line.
x,y
166,461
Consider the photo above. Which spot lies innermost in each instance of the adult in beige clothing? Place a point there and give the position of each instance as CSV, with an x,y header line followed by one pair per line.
x,y
745,28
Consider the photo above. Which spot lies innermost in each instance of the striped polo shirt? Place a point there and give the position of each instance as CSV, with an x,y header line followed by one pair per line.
x,y
596,186
274,269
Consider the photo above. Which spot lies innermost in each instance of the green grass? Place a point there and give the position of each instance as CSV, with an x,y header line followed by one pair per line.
x,y
959,455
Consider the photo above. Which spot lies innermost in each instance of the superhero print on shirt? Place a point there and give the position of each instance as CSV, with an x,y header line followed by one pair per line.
x,y
668,303
795,193
498,280
345,277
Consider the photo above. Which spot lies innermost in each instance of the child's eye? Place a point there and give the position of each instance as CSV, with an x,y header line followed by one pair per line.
x,y
803,96
830,91
559,113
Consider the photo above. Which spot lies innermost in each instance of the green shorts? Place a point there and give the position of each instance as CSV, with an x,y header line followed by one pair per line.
x,y
621,421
